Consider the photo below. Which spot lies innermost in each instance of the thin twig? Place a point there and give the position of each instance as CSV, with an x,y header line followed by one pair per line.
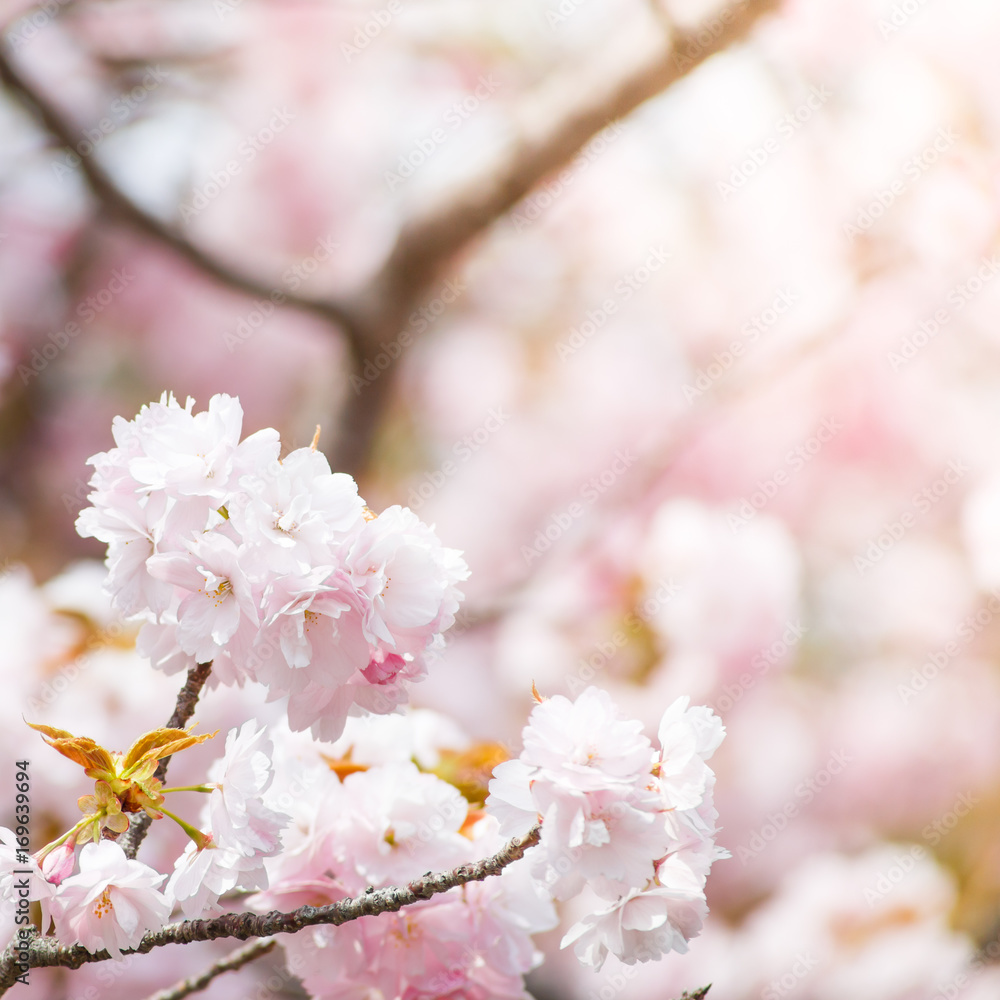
x,y
45,952
235,960
187,698
115,201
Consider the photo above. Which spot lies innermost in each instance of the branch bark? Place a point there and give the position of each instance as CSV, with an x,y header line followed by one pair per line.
x,y
118,204
233,961
45,952
187,699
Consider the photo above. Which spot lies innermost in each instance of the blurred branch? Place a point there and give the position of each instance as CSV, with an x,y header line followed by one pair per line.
x,y
113,200
428,243
659,11
234,960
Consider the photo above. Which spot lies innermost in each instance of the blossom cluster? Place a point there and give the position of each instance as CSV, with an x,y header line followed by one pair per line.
x,y
635,824
98,897
271,568
276,572
299,822
372,818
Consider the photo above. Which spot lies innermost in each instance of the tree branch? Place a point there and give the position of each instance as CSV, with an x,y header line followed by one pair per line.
x,y
187,698
116,202
45,952
426,244
235,960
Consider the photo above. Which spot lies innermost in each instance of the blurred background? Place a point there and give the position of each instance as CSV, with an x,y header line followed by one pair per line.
x,y
681,320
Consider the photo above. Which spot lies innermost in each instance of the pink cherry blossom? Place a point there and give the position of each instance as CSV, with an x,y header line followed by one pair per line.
x,y
641,926
201,876
408,579
21,878
238,817
244,831
584,744
110,903
218,598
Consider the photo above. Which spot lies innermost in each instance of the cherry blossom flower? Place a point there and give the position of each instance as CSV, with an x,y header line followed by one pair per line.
x,y
244,830
641,926
21,880
399,823
218,596
239,818
299,513
688,737
202,875
110,903
584,744
198,454
408,579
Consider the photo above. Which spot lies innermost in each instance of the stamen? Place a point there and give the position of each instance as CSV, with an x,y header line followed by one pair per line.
x,y
103,904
